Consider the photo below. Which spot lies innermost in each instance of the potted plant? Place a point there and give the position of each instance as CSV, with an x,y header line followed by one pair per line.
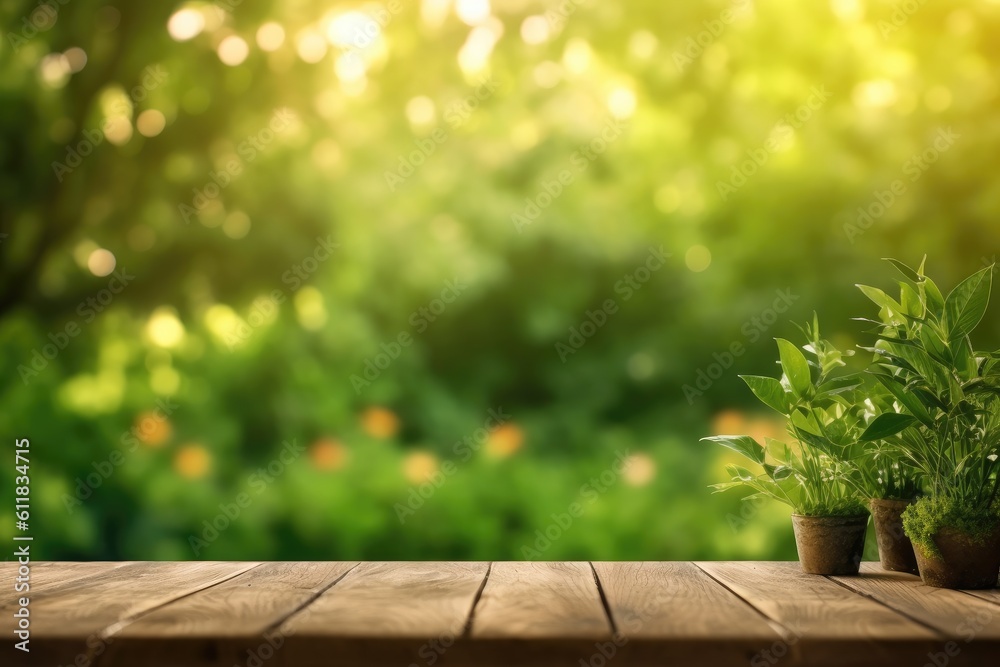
x,y
948,423
890,484
814,474
886,478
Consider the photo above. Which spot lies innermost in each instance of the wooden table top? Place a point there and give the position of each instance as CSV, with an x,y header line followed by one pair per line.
x,y
421,614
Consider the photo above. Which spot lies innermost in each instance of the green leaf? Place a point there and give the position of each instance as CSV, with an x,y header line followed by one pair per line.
x,y
840,385
910,301
769,391
741,444
887,425
795,366
932,295
883,301
966,305
907,399
916,358
907,272
740,473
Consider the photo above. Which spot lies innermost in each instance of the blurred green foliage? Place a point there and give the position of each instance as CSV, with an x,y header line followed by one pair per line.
x,y
609,126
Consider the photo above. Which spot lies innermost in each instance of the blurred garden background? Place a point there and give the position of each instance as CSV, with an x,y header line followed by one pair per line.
x,y
424,279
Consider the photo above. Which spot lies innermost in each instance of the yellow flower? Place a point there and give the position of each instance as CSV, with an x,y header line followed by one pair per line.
x,y
380,422
505,440
192,461
328,454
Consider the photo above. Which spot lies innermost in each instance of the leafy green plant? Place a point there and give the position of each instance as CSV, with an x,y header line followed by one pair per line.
x,y
883,471
815,474
947,417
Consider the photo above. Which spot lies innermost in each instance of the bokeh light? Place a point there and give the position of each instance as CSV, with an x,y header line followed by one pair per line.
x,y
185,24
233,50
150,122
101,262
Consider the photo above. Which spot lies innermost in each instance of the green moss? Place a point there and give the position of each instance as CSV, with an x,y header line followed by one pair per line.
x,y
844,507
924,518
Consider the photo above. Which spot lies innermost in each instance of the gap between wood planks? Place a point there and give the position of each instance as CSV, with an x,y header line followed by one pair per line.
x,y
467,630
117,626
785,633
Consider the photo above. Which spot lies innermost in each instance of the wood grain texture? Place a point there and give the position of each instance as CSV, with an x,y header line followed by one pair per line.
x,y
676,610
218,625
678,601
830,624
47,577
529,600
990,595
952,613
970,626
82,617
392,614
394,600
495,615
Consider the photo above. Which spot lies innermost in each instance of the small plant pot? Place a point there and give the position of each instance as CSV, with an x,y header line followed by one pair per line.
x,y
895,551
830,544
962,562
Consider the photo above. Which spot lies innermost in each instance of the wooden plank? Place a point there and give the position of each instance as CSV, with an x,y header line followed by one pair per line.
x,y
940,608
971,624
218,625
396,599
830,624
676,609
527,600
385,614
990,595
48,576
83,617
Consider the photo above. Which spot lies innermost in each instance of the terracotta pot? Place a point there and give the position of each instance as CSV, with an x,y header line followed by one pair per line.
x,y
962,563
895,551
830,544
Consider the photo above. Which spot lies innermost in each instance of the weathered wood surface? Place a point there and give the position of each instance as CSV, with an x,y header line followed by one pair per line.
x,y
422,614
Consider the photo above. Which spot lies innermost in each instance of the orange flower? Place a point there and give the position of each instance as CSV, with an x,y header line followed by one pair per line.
x,y
192,461
328,454
728,422
152,428
505,440
419,467
380,422
639,470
